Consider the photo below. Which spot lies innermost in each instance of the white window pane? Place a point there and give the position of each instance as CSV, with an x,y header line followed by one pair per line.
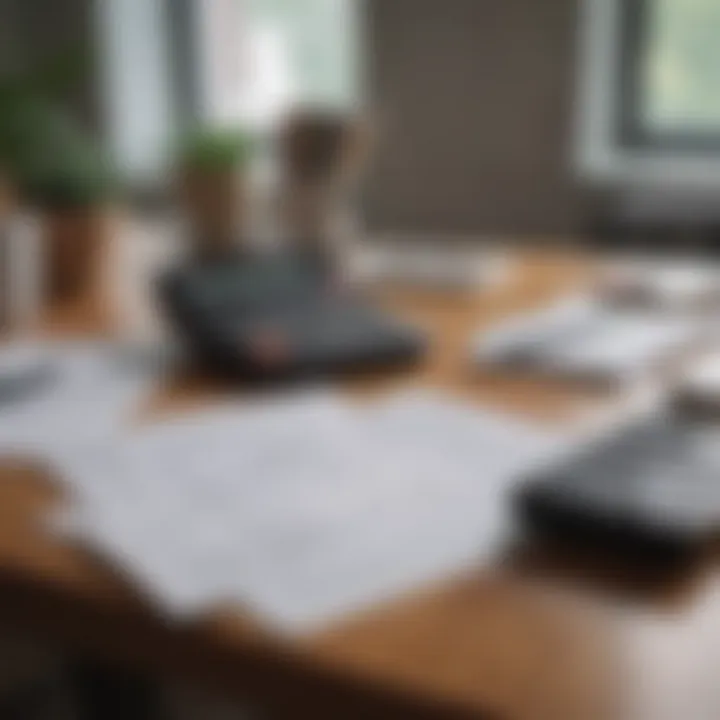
x,y
299,51
682,70
136,82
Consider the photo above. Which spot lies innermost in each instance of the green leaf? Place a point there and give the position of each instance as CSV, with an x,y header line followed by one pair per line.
x,y
216,149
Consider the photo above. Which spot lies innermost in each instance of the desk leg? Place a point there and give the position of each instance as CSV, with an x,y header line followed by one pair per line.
x,y
110,693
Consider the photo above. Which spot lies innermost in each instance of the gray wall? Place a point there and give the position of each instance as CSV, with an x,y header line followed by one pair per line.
x,y
474,100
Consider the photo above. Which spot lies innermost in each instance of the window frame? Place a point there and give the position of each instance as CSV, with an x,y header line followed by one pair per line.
x,y
633,33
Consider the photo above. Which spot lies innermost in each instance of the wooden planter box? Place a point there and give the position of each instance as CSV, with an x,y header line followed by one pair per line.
x,y
8,207
75,243
8,198
215,203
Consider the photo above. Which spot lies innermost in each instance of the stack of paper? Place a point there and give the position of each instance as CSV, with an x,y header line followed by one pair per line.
x,y
89,389
582,339
305,508
24,369
661,285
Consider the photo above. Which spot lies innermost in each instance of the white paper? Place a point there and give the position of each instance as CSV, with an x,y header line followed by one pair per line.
x,y
665,285
91,389
623,347
306,509
578,338
529,333
429,266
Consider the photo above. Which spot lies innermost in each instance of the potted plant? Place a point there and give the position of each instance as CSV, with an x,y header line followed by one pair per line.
x,y
14,131
72,188
7,196
213,186
33,118
30,126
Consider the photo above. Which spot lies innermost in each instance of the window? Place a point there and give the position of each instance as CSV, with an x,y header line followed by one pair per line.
x,y
259,57
305,51
670,74
136,85
649,92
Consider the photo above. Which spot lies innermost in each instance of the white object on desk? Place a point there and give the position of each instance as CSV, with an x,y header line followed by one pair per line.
x,y
582,339
91,389
438,266
23,368
664,285
302,510
623,347
522,339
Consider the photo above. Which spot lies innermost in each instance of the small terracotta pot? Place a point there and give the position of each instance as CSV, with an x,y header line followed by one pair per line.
x,y
8,208
8,198
76,241
215,203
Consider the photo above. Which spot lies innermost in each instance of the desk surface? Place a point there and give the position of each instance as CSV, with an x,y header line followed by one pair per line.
x,y
526,640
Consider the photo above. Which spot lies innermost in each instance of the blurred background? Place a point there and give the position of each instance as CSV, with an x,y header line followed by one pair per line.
x,y
516,119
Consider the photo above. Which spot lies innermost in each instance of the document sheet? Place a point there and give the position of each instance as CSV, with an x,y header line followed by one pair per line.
x,y
583,339
304,508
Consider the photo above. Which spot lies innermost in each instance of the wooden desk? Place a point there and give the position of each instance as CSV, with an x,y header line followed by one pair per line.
x,y
496,644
